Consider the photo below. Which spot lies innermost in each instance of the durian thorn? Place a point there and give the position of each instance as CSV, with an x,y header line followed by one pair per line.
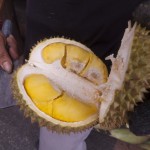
x,y
26,61
21,107
42,122
84,90
18,102
33,120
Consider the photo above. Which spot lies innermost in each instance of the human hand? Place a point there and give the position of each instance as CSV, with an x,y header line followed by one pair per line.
x,y
7,56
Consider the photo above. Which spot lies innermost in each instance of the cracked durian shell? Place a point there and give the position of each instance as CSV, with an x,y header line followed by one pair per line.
x,y
136,82
72,70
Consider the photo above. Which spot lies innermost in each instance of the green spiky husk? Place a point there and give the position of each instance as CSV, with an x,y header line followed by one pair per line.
x,y
28,112
136,83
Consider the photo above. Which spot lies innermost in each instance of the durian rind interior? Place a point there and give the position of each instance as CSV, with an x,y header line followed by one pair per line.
x,y
73,65
136,82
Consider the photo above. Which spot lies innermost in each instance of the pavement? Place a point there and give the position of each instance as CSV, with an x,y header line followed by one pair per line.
x,y
18,133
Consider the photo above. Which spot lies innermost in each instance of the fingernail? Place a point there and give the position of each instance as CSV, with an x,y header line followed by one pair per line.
x,y
10,36
7,66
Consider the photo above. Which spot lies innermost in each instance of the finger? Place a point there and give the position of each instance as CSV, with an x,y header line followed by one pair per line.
x,y
5,61
12,44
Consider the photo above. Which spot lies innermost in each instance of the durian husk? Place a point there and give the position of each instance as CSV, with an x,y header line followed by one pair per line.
x,y
35,117
136,82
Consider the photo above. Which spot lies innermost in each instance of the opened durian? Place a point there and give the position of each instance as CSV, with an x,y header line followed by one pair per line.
x,y
58,86
65,86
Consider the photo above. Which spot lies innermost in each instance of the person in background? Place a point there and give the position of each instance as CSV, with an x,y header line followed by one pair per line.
x,y
99,25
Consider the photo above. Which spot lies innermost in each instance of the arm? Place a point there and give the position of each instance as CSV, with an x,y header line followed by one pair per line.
x,y
7,55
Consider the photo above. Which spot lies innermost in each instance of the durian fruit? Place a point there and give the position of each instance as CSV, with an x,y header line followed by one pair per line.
x,y
120,96
65,87
58,85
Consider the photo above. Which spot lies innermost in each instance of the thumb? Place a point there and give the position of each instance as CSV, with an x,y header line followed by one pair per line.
x,y
5,60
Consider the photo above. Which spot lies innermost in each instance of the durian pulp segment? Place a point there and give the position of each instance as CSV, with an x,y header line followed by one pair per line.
x,y
95,70
78,60
53,52
52,102
69,109
41,92
39,88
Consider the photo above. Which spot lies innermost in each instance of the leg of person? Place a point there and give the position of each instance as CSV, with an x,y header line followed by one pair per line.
x,y
49,140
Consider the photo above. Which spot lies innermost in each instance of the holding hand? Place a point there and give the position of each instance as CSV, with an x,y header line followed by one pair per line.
x,y
8,55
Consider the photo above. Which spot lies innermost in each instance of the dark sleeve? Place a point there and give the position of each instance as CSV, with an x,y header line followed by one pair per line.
x,y
97,24
139,119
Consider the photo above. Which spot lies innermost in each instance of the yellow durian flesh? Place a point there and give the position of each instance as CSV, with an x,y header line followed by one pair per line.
x,y
39,88
69,109
41,92
78,60
95,70
53,52
58,105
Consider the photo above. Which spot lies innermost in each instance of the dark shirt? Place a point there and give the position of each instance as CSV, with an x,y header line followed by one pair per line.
x,y
97,24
